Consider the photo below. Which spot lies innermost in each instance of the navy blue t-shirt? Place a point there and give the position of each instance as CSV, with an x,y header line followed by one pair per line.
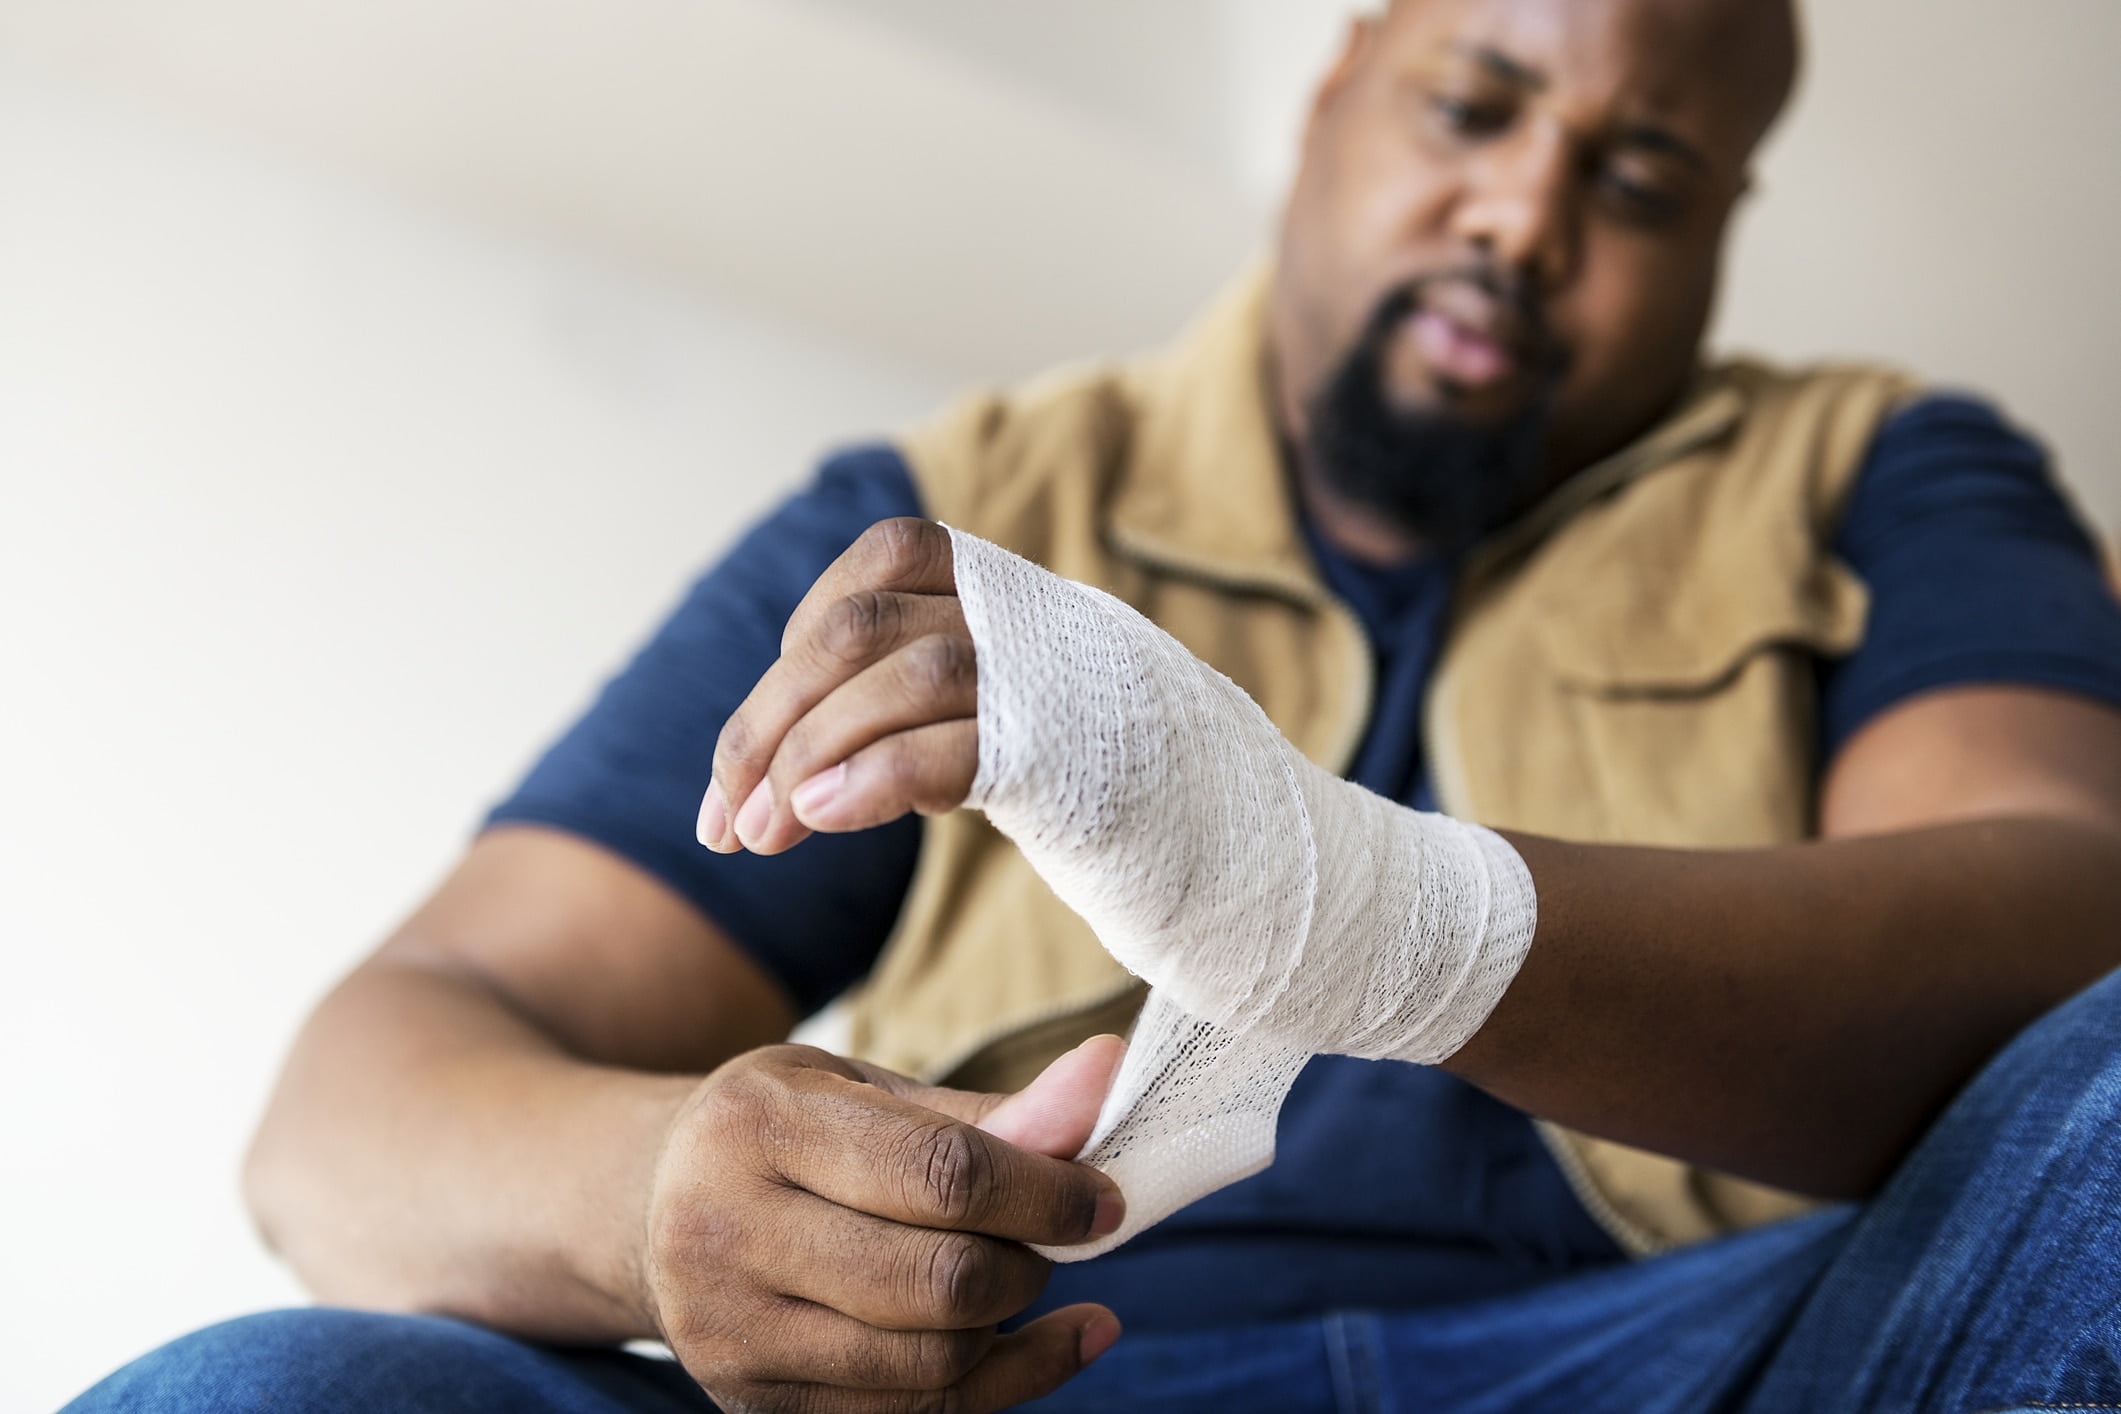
x,y
1394,1185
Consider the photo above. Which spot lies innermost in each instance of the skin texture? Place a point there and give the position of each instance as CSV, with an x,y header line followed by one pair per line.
x,y
556,1102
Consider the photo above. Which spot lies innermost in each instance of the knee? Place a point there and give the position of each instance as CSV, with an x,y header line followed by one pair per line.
x,y
2080,1038
318,1361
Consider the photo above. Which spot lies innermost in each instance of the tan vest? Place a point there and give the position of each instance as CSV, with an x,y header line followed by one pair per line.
x,y
1629,664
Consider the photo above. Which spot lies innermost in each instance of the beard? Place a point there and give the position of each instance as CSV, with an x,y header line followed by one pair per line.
x,y
1443,478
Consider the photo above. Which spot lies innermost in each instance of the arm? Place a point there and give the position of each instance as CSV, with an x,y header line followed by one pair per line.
x,y
1799,1015
1793,1015
1965,880
538,1107
549,1011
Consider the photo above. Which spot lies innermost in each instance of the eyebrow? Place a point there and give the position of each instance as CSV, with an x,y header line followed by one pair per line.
x,y
1502,65
1664,140
1647,136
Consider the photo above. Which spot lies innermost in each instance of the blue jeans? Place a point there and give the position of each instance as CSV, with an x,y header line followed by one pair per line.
x,y
1986,1277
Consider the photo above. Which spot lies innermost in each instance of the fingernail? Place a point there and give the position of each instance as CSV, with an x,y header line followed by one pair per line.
x,y
1111,1212
1097,1338
813,798
714,818
757,813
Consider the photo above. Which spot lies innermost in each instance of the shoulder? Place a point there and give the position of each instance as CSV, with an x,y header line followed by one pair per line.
x,y
790,545
1952,463
1978,569
1808,426
856,485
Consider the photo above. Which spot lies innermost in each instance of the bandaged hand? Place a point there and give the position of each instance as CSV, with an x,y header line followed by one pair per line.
x,y
868,713
1277,910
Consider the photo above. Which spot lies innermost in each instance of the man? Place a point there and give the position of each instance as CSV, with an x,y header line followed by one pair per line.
x,y
1797,695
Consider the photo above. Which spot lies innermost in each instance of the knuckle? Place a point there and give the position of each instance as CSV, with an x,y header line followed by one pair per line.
x,y
695,1235
717,1347
901,547
746,1110
742,1094
956,1283
856,627
941,1358
950,1171
940,665
736,748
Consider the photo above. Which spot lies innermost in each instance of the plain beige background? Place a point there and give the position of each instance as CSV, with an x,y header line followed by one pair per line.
x,y
372,375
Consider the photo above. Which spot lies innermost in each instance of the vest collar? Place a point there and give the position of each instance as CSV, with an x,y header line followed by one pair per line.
x,y
1203,492
1708,412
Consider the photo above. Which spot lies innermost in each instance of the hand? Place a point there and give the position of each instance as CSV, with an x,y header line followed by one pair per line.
x,y
824,1235
871,710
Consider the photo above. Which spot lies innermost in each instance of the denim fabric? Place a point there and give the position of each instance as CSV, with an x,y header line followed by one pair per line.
x,y
1983,1280
325,1361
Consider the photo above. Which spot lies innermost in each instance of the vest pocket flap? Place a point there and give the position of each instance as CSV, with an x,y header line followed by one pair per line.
x,y
1654,640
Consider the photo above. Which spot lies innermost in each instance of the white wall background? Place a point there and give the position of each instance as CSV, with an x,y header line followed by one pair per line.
x,y
316,515
372,374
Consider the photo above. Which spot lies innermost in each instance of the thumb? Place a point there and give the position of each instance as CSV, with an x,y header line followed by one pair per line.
x,y
1053,1115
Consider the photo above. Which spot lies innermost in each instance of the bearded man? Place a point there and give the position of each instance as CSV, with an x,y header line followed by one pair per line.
x,y
1702,907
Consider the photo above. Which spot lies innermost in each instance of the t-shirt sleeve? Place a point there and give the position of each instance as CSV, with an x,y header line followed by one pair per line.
x,y
1978,571
629,774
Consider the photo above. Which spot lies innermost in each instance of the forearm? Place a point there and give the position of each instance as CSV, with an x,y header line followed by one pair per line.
x,y
429,1149
1795,1015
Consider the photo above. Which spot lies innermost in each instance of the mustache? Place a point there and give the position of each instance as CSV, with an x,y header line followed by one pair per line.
x,y
1517,295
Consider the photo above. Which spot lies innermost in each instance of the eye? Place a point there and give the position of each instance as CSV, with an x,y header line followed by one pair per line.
x,y
1637,200
1468,117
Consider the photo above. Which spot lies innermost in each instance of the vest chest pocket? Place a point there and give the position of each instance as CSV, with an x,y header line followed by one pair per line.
x,y
1681,717
1687,636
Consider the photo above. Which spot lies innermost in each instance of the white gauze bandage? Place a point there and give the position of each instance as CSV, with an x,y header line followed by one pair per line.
x,y
1276,910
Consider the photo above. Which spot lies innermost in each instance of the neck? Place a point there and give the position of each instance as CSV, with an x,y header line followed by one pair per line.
x,y
1354,530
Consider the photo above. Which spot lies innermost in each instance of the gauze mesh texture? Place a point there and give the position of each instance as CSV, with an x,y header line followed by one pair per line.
x,y
1277,911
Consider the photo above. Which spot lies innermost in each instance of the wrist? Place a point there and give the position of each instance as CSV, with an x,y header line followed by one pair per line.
x,y
609,1260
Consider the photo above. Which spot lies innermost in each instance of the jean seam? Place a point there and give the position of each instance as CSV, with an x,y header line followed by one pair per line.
x,y
1351,1354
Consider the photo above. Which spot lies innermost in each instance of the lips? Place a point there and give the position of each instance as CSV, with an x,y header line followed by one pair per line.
x,y
1458,354
1466,336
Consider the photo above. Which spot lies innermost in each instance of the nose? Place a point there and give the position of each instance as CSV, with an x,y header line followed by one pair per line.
x,y
1519,206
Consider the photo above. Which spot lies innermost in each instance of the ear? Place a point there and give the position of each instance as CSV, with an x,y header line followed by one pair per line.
x,y
1362,32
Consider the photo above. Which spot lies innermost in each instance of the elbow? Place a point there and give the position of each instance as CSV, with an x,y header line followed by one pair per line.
x,y
273,1189
294,1207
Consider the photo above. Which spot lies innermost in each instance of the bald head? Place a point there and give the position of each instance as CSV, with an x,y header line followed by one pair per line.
x,y
1756,46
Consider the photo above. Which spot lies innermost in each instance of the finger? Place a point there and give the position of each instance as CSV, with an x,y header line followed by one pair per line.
x,y
801,1343
1026,1365
848,635
928,769
1033,1362
895,1277
866,1149
931,680
904,555
1053,1115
